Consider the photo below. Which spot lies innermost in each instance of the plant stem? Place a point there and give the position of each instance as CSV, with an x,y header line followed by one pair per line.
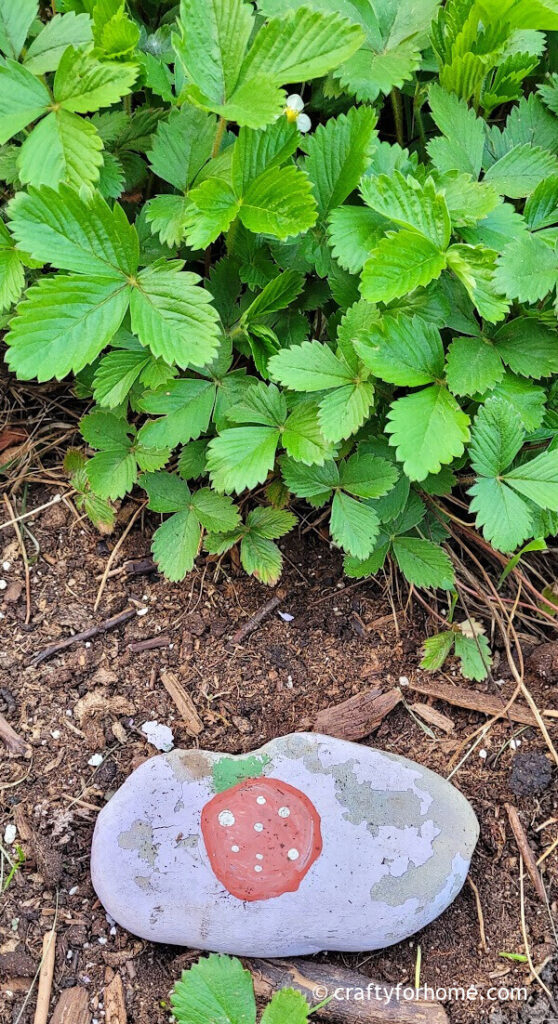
x,y
397,106
221,125
420,125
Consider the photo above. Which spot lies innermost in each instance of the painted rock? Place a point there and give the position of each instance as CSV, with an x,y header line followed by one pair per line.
x,y
310,843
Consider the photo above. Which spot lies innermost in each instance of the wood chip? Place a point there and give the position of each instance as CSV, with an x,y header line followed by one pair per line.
x,y
184,703
433,717
474,701
358,716
72,1007
115,1004
14,743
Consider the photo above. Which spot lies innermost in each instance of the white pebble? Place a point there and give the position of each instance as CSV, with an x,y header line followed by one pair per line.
x,y
6,566
55,733
286,616
95,760
88,643
403,680
483,753
142,611
3,584
160,736
10,834
73,890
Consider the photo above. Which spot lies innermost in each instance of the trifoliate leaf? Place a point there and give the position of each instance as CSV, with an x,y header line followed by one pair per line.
x,y
184,407
63,324
473,366
182,145
23,98
423,563
46,50
62,148
354,526
83,84
474,655
15,21
338,154
428,429
435,650
173,316
72,233
401,262
409,204
403,351
464,133
241,457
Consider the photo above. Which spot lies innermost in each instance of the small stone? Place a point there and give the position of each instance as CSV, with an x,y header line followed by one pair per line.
x,y
95,760
10,833
310,843
160,736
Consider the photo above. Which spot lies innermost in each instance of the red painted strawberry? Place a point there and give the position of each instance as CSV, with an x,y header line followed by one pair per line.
x,y
262,837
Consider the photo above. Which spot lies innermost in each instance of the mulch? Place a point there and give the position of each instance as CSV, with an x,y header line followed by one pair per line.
x,y
93,696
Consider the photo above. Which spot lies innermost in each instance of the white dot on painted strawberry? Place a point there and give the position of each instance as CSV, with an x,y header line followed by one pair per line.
x,y
258,827
226,818
293,854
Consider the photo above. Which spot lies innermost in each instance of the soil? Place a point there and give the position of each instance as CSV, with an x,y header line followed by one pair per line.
x,y
93,697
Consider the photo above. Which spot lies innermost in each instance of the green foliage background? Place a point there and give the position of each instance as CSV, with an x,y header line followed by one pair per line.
x,y
362,317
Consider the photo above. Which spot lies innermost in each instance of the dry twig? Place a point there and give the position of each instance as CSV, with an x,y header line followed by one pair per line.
x,y
102,627
45,978
526,851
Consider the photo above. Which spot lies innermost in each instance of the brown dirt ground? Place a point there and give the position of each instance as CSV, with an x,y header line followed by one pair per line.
x,y
343,639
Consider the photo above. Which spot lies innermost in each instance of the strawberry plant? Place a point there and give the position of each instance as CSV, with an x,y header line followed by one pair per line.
x,y
297,248
218,990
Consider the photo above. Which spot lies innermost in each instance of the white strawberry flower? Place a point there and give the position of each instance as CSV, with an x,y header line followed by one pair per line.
x,y
294,113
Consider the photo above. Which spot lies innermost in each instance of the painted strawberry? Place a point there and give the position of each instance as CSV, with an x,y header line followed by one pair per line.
x,y
262,837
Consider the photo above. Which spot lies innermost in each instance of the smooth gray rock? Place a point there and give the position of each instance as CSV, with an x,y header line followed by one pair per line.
x,y
358,850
